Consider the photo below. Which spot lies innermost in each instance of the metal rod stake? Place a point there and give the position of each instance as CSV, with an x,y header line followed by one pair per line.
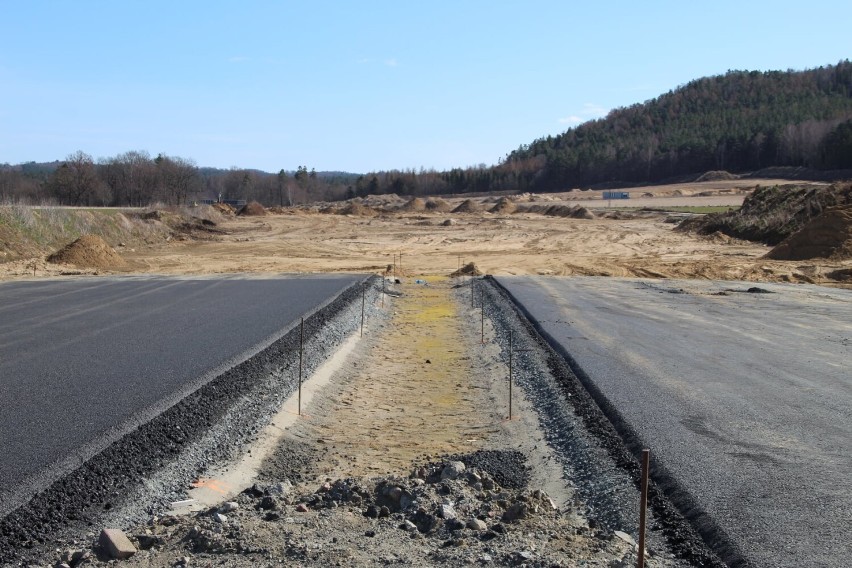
x,y
511,337
643,507
301,358
363,297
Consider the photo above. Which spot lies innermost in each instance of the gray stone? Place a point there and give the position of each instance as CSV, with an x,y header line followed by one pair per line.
x,y
446,511
515,511
477,525
452,470
147,541
220,518
625,537
116,544
281,488
229,506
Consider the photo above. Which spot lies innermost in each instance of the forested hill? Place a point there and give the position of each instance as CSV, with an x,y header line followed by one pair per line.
x,y
740,121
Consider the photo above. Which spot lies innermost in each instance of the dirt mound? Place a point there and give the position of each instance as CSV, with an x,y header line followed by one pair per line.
x,y
89,251
572,212
382,201
716,175
468,206
415,204
253,209
504,206
358,210
771,214
827,236
468,269
224,208
564,211
437,205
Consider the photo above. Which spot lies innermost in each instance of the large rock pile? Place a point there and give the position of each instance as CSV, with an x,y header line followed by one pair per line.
x,y
452,512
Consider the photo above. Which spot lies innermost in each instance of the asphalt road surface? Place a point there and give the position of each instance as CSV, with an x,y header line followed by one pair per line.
x,y
745,397
82,361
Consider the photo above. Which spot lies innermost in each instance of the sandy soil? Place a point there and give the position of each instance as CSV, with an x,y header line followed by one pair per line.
x,y
511,244
640,245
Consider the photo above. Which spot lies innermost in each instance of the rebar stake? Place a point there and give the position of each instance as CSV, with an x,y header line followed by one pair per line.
x,y
363,297
643,506
301,357
511,355
511,349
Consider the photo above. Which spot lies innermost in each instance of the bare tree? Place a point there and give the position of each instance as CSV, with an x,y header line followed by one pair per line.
x,y
178,179
76,181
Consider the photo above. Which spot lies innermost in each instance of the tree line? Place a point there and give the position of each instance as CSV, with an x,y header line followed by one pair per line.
x,y
135,179
739,122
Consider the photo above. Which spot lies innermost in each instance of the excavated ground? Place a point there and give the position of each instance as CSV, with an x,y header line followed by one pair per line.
x,y
366,475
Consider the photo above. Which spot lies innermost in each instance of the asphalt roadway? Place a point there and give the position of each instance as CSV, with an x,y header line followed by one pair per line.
x,y
746,398
82,361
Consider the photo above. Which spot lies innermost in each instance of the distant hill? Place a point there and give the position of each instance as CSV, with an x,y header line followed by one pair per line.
x,y
740,121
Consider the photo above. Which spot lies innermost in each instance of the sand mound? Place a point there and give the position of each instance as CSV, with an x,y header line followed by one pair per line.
x,y
504,205
382,201
772,214
468,206
253,209
565,211
437,205
468,269
826,236
415,204
358,210
572,212
224,208
89,251
716,175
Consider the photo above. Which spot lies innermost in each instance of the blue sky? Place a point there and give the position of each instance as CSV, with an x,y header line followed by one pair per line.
x,y
363,86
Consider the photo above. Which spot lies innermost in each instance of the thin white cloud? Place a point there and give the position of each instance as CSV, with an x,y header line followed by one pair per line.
x,y
590,111
392,62
238,59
